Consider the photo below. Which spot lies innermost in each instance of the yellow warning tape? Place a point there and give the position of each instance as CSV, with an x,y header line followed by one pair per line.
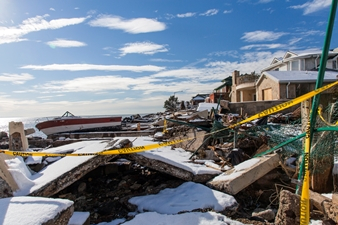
x,y
105,152
305,197
322,118
165,126
285,105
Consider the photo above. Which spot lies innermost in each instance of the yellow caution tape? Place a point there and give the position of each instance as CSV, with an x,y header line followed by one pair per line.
x,y
165,126
285,105
305,197
106,152
322,118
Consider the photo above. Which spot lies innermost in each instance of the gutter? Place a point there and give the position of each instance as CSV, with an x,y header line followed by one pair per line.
x,y
287,90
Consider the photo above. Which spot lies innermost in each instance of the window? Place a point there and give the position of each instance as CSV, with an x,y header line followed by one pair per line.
x,y
334,64
294,65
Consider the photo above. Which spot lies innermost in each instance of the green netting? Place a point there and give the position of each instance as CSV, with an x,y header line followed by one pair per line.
x,y
324,146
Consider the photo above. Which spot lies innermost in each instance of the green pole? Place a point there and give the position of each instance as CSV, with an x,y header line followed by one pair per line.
x,y
319,83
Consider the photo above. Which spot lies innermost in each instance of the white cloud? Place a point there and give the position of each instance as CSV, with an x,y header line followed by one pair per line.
x,y
146,48
97,84
313,32
210,12
189,14
232,53
34,24
227,11
16,78
265,1
51,9
192,79
313,6
63,43
82,67
294,40
165,60
169,16
263,46
133,26
261,35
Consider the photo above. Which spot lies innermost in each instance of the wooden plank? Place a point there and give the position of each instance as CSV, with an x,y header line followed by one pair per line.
x,y
244,174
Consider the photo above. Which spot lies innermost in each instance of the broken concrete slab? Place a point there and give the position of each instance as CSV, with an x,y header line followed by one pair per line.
x,y
61,173
174,162
244,174
35,210
7,183
197,138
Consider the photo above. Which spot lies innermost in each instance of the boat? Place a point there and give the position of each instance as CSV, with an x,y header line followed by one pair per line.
x,y
70,123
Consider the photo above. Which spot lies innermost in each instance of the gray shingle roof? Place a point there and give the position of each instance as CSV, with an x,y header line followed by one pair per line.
x,y
299,76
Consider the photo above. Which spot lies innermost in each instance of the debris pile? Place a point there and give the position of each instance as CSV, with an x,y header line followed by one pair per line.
x,y
249,162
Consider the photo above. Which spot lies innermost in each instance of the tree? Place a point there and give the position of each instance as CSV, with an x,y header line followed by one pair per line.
x,y
171,103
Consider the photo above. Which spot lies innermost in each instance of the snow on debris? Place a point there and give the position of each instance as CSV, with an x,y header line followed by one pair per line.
x,y
78,218
177,157
196,218
187,197
29,182
30,210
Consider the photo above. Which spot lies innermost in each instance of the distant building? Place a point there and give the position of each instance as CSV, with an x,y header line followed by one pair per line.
x,y
199,98
222,92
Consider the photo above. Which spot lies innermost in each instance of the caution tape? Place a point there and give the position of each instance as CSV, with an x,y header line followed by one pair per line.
x,y
305,197
130,150
322,118
165,127
285,105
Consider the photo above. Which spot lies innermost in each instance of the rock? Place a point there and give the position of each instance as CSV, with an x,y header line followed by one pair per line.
x,y
288,211
82,187
135,186
3,135
266,214
69,196
5,189
37,167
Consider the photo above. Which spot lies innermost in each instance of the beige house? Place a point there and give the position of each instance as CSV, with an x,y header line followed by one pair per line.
x,y
291,76
243,87
275,85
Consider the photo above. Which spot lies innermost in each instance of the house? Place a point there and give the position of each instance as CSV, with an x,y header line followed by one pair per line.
x,y
222,92
275,85
243,87
285,78
305,60
198,98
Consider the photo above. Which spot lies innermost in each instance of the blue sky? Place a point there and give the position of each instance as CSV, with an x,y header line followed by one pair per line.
x,y
128,56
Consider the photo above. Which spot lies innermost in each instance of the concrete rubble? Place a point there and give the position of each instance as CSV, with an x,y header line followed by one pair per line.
x,y
228,159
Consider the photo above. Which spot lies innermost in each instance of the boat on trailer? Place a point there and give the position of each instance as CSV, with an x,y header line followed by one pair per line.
x,y
70,123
